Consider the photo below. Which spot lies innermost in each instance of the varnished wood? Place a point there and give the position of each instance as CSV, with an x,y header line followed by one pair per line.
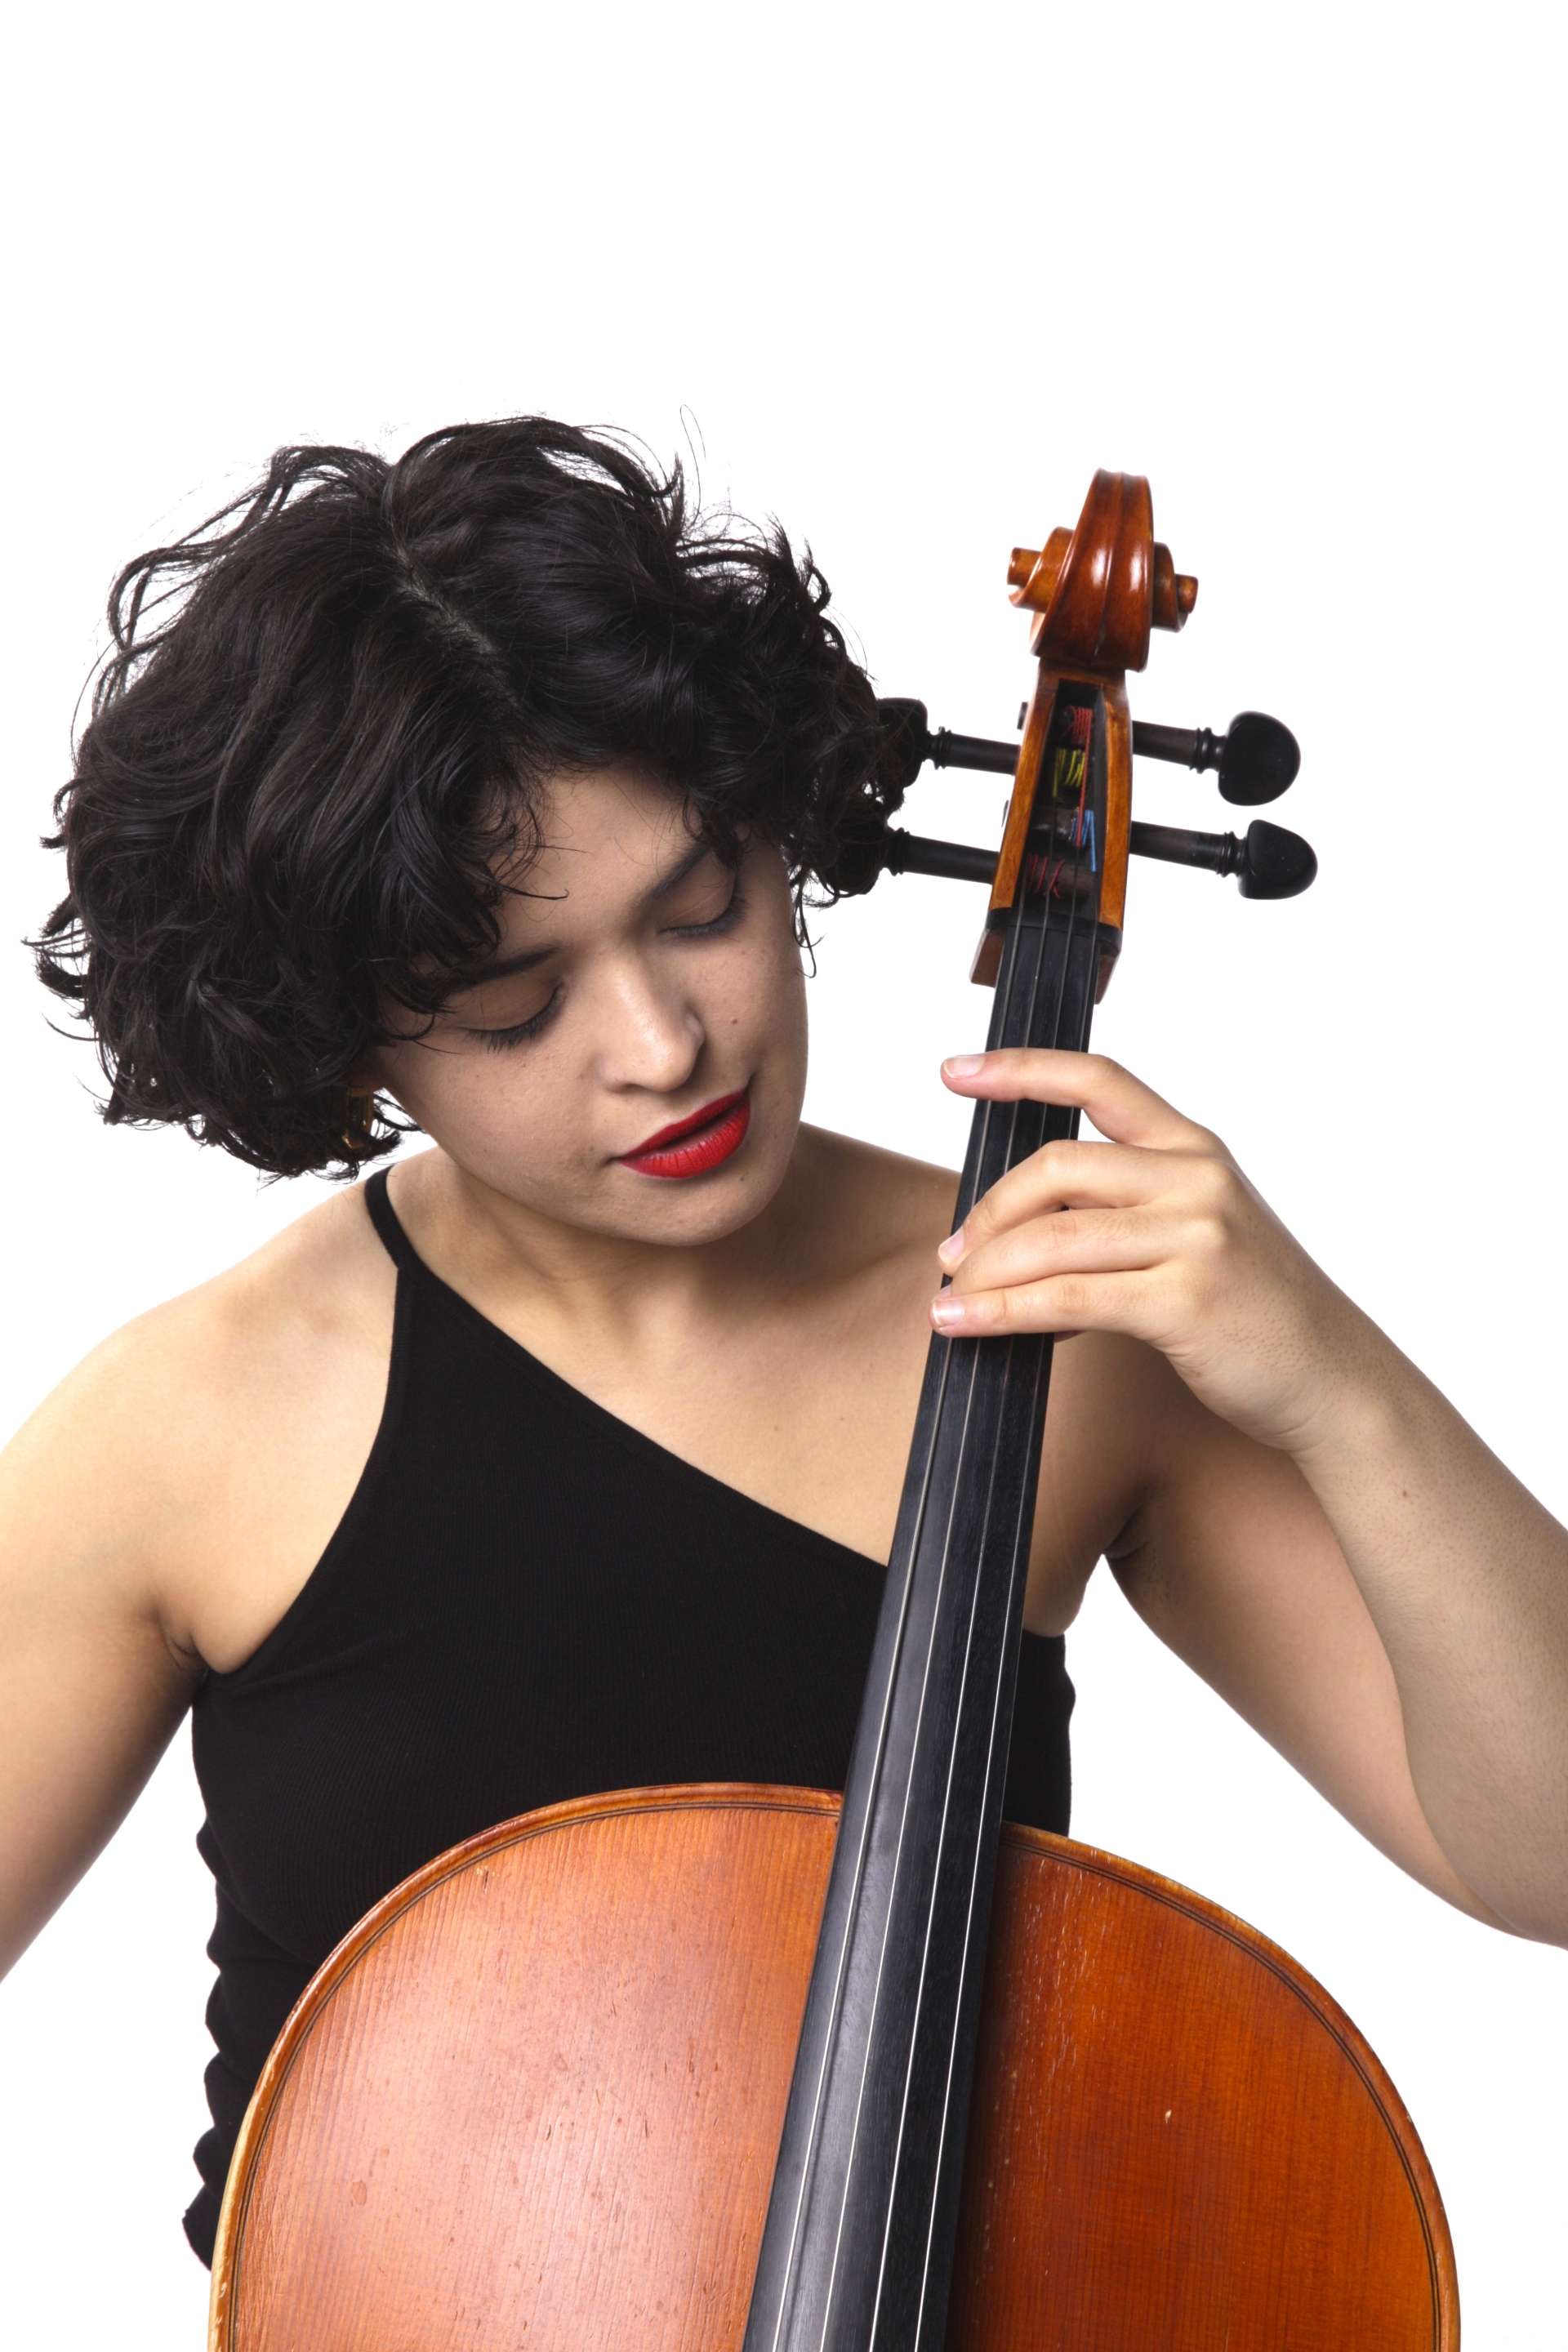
x,y
1098,590
532,2100
1020,816
1117,808
1096,593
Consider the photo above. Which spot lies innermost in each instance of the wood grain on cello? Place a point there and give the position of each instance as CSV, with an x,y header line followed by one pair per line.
x,y
535,2098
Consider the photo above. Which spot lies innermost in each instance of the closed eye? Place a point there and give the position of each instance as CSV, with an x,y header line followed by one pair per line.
x,y
499,1039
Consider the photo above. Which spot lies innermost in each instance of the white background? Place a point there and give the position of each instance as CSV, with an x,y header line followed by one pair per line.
x,y
912,281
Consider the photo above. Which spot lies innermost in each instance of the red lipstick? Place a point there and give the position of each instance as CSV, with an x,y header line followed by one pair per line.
x,y
691,1145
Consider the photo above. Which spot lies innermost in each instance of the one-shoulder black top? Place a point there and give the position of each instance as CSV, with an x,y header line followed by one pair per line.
x,y
525,1599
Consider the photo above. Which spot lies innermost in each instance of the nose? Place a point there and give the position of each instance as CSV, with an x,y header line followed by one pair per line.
x,y
650,1033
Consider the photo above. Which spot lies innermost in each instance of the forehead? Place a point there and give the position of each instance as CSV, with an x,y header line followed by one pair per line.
x,y
603,834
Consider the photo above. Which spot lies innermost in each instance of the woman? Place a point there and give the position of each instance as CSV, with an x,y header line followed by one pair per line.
x,y
565,1455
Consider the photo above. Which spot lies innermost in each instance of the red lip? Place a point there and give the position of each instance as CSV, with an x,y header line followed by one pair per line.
x,y
684,1126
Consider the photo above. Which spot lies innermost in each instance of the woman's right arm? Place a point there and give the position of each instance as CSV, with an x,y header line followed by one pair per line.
x,y
91,1689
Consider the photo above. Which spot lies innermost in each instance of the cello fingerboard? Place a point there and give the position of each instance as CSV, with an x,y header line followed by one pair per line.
x,y
856,2251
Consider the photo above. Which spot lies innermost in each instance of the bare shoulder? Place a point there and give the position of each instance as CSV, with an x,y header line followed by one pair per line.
x,y
315,1285
192,1404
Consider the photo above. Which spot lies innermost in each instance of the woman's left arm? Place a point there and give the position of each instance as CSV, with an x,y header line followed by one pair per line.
x,y
1427,1642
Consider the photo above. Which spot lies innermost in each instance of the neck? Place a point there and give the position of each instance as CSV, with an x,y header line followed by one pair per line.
x,y
636,1295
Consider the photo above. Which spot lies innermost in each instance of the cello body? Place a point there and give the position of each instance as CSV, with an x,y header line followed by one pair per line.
x,y
533,2100
733,2069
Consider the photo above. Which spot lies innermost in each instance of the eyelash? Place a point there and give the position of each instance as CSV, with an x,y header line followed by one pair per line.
x,y
497,1040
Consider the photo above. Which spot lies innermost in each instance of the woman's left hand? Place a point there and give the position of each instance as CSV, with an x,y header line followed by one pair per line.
x,y
1155,1234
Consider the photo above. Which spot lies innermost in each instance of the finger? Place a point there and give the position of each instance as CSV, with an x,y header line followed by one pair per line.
x,y
1065,1174
1062,1302
1120,1106
1069,1241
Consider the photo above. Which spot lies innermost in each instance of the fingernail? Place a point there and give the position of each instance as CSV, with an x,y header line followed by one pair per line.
x,y
945,1310
962,1066
951,1248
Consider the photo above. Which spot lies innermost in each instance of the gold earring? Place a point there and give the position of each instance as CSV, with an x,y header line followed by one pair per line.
x,y
361,1106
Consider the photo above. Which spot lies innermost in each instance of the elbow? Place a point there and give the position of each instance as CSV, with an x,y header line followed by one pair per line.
x,y
1531,1920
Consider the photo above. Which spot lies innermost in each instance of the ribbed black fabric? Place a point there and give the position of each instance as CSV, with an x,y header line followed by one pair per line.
x,y
525,1599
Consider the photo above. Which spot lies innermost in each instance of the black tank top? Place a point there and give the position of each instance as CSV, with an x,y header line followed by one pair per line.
x,y
525,1599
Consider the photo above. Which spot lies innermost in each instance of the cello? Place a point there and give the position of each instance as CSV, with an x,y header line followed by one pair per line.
x,y
727,2068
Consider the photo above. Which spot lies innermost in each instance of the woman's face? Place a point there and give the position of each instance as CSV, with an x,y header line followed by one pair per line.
x,y
661,981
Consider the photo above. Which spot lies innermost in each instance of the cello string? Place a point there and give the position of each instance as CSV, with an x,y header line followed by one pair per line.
x,y
1005,1659
1066,761
842,1957
879,1757
1031,866
1006,993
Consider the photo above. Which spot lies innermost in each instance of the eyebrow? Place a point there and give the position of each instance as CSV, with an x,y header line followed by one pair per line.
x,y
526,958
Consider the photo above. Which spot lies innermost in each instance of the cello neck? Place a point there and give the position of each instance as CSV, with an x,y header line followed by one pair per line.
x,y
857,2251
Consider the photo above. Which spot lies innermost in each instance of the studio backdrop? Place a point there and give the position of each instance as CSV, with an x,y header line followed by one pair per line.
x,y
903,283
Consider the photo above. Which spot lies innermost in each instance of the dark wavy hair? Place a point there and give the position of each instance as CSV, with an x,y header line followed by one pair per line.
x,y
323,726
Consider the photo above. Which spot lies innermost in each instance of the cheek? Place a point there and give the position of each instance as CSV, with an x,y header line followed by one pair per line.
x,y
513,1122
472,1101
523,1097
774,984
774,1029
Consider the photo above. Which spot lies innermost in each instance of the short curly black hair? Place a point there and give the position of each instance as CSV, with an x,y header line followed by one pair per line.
x,y
298,785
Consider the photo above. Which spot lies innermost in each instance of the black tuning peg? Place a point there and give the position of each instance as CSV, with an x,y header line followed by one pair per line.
x,y
1258,759
1269,863
907,742
905,739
